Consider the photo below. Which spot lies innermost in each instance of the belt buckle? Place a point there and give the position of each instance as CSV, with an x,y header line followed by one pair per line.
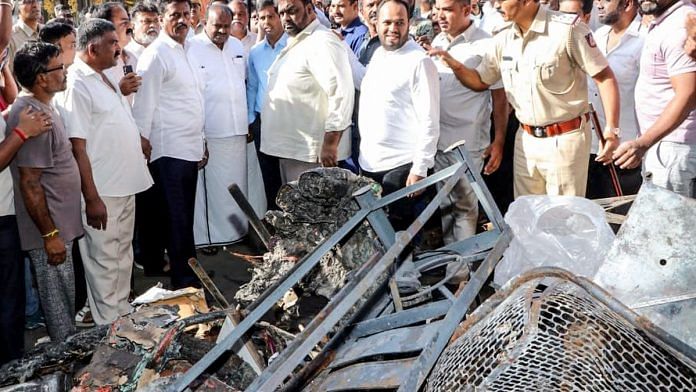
x,y
539,131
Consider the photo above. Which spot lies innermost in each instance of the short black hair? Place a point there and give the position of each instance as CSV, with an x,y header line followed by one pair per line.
x,y
31,60
164,3
92,30
402,2
69,22
267,3
143,7
106,10
53,31
225,9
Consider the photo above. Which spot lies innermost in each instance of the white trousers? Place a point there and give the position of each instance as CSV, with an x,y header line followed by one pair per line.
x,y
673,166
459,210
218,220
107,256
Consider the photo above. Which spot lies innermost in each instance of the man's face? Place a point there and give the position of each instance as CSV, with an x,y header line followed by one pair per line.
x,y
254,24
452,15
343,12
369,11
217,26
67,49
269,22
509,9
175,21
392,25
655,7
195,11
106,50
121,20
240,18
146,27
574,7
294,15
55,79
30,10
608,11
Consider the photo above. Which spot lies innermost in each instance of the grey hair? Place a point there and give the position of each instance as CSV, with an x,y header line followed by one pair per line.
x,y
91,31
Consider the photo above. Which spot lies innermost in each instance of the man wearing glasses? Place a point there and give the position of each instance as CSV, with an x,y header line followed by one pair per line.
x,y
47,188
27,27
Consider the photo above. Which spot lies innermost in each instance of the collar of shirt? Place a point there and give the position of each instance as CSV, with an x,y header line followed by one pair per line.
x,y
169,41
602,35
28,30
292,41
465,36
280,44
538,24
351,26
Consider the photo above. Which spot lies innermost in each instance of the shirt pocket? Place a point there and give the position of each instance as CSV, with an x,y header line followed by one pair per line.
x,y
507,71
553,75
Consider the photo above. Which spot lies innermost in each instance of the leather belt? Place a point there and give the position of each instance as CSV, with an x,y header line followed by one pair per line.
x,y
555,129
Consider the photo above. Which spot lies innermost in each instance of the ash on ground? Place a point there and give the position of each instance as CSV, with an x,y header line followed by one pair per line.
x,y
312,209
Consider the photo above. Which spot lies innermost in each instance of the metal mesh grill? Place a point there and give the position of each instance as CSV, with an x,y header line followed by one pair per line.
x,y
557,338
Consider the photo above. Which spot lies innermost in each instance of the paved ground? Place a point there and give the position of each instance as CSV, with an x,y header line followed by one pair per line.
x,y
227,271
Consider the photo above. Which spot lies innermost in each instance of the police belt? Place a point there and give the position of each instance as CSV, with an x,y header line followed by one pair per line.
x,y
555,129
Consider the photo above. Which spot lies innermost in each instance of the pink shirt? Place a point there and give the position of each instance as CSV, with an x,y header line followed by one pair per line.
x,y
664,57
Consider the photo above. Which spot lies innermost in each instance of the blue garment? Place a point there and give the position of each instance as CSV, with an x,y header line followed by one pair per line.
x,y
354,35
261,57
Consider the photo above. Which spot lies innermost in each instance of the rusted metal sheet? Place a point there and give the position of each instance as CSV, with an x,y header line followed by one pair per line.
x,y
651,267
396,341
368,376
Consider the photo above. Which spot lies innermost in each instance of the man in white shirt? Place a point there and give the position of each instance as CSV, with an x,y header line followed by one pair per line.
x,y
168,109
399,117
309,97
240,23
620,40
106,145
219,62
465,114
127,82
146,28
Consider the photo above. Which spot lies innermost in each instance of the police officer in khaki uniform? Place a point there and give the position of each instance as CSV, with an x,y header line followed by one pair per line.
x,y
543,58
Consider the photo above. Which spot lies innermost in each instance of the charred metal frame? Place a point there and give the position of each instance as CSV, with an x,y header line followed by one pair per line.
x,y
380,315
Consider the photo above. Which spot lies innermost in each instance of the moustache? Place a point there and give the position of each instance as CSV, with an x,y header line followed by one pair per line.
x,y
373,15
151,32
117,53
180,25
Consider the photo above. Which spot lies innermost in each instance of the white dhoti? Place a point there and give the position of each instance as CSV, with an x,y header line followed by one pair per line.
x,y
257,193
218,220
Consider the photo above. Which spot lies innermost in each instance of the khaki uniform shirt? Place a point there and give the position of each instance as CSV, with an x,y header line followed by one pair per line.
x,y
21,34
544,71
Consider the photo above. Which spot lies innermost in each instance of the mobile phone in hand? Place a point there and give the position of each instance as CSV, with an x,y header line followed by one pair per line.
x,y
127,69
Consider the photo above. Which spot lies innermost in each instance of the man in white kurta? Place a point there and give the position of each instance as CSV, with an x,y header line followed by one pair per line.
x,y
399,117
219,62
310,95
106,145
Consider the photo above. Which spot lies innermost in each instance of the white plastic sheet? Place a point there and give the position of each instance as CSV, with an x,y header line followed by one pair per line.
x,y
560,231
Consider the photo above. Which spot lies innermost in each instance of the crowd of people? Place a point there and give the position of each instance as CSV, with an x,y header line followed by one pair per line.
x,y
123,128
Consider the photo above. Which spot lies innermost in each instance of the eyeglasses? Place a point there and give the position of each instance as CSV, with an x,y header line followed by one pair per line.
x,y
60,67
